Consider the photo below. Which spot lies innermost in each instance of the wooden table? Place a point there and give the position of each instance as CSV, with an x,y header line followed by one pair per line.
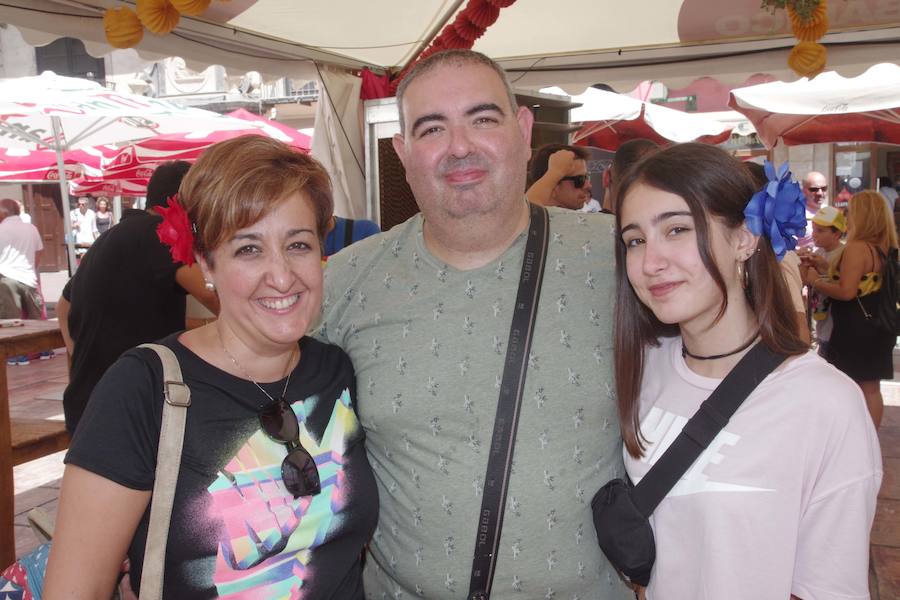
x,y
22,440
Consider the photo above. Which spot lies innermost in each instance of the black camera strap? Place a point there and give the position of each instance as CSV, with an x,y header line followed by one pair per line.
x,y
704,426
348,232
496,480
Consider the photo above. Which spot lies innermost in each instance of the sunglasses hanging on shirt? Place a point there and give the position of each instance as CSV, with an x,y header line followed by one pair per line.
x,y
299,472
298,469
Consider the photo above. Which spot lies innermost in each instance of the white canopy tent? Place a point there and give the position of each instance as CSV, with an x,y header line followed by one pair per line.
x,y
601,109
826,108
571,44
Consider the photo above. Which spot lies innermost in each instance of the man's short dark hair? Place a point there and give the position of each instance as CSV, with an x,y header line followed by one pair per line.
x,y
541,158
457,58
165,181
630,153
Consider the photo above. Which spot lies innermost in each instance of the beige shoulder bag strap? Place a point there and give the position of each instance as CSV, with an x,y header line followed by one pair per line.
x,y
168,462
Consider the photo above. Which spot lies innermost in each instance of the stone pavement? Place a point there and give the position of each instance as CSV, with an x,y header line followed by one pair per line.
x,y
36,391
885,542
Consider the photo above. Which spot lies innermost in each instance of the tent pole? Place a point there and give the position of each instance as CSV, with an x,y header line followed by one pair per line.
x,y
432,33
64,193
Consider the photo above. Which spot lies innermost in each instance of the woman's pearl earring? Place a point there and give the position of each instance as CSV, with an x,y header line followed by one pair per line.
x,y
210,286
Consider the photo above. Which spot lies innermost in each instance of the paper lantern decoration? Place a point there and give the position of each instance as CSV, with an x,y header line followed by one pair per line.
x,y
469,25
808,58
158,16
191,8
466,29
482,13
450,39
813,28
123,28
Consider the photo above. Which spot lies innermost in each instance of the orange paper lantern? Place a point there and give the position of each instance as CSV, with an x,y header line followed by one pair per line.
x,y
158,16
808,59
191,8
123,28
811,29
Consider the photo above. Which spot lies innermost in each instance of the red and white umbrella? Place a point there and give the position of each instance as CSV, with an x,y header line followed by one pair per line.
x,y
121,187
827,108
18,165
61,114
138,160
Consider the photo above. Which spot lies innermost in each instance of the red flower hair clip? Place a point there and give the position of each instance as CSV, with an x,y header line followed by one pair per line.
x,y
176,232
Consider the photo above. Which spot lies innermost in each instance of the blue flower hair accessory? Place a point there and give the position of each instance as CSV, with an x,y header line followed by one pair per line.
x,y
778,211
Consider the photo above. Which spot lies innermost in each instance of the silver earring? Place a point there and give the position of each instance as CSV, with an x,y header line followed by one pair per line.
x,y
210,286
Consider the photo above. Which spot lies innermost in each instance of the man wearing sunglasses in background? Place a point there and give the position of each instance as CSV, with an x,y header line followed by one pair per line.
x,y
559,177
815,191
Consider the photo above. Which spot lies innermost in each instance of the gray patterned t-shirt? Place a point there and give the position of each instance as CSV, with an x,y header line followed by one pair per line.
x,y
428,343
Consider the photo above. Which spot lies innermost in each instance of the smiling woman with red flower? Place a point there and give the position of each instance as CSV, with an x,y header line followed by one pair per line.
x,y
128,291
275,492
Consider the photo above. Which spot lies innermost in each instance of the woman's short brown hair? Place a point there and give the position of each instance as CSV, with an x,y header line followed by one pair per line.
x,y
237,182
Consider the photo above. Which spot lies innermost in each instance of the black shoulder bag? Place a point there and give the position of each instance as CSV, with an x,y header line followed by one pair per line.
x,y
496,481
622,511
886,313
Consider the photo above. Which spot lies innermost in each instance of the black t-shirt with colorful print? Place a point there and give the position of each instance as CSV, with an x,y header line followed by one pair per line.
x,y
235,530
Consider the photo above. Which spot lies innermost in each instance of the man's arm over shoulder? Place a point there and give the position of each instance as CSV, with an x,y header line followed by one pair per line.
x,y
345,271
337,271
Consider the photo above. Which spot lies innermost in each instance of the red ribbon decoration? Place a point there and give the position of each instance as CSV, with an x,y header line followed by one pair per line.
x,y
469,25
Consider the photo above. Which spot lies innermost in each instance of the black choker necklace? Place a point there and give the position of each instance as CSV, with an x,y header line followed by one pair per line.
x,y
685,352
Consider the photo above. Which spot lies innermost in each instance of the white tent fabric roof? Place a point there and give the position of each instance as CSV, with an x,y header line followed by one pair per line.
x,y
571,44
827,107
675,125
877,89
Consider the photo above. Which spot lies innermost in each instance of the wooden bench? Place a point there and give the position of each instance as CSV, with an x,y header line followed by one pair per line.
x,y
35,438
22,440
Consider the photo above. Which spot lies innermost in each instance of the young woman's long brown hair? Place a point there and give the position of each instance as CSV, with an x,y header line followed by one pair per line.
x,y
715,186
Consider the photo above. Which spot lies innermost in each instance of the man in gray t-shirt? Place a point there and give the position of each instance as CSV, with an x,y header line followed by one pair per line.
x,y
424,311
